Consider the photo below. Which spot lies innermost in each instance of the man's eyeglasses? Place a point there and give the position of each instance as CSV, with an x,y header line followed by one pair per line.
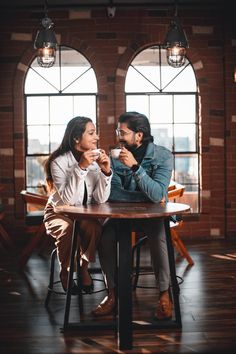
x,y
122,132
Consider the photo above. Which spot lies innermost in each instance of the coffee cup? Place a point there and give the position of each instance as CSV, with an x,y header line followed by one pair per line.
x,y
97,152
115,153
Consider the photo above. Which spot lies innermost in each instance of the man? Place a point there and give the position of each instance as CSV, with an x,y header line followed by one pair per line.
x,y
141,173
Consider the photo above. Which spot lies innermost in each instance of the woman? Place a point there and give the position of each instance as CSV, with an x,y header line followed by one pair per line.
x,y
77,173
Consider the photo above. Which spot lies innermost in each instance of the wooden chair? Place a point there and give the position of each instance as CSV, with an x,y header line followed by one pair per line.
x,y
173,194
175,191
35,204
6,241
4,236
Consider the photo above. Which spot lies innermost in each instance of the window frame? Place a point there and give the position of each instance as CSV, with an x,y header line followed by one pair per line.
x,y
39,187
193,153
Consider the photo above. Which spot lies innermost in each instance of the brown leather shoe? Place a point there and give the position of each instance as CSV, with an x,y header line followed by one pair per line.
x,y
164,307
107,306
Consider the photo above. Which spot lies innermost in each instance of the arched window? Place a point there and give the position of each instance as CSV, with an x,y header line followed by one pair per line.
x,y
168,96
52,97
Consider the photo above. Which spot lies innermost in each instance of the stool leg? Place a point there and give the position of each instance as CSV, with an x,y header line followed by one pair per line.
x,y
70,278
79,281
137,265
137,247
51,278
174,282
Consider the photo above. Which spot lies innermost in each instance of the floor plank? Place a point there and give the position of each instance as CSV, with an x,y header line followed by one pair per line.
x,y
207,299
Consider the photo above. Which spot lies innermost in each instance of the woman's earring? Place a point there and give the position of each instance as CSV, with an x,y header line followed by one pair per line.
x,y
76,140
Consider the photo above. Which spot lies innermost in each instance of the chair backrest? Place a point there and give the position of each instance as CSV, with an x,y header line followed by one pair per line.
x,y
175,190
34,201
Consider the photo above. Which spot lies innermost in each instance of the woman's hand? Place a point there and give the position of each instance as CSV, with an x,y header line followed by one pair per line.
x,y
104,162
87,158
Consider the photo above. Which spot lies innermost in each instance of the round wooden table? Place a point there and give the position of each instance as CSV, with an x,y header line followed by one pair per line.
x,y
126,212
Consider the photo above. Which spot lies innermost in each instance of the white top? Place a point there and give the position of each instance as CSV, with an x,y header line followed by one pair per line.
x,y
69,178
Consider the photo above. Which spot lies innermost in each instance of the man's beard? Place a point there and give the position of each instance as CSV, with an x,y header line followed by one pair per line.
x,y
130,147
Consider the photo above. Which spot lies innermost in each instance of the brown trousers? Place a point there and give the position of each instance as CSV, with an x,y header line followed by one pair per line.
x,y
60,227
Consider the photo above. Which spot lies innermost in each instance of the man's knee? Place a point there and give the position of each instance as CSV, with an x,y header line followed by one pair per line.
x,y
155,229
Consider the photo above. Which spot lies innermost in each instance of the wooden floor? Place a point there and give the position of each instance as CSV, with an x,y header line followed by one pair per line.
x,y
208,307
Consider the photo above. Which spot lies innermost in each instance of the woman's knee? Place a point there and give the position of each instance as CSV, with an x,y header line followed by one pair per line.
x,y
59,227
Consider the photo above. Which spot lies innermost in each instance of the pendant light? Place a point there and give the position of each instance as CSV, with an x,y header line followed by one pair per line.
x,y
176,42
45,42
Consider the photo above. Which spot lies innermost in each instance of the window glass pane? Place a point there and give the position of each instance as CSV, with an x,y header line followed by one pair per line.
x,y
135,82
185,137
37,110
62,79
85,83
185,108
172,78
190,197
150,72
35,175
145,73
163,135
52,74
76,72
38,139
85,106
178,79
137,103
36,83
186,169
61,109
73,64
161,109
56,135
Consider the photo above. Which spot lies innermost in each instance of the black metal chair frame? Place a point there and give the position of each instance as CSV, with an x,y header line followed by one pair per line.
x,y
52,283
137,271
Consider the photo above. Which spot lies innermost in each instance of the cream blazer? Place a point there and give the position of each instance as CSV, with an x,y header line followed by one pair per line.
x,y
69,181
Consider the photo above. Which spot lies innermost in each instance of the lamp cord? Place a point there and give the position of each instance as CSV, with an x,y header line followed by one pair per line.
x,y
46,8
176,8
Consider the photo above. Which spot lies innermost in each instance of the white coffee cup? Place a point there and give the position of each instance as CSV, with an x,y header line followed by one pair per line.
x,y
97,152
115,153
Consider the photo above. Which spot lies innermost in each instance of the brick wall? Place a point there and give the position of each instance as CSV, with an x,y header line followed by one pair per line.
x,y
110,44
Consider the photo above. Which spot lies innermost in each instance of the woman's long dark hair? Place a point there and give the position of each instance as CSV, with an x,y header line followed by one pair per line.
x,y
74,130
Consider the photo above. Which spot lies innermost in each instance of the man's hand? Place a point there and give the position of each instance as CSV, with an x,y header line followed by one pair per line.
x,y
127,158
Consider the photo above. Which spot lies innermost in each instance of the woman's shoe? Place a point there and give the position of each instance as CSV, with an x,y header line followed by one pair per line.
x,y
74,289
88,289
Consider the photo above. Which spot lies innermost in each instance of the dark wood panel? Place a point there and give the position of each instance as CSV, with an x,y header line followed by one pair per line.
x,y
208,307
